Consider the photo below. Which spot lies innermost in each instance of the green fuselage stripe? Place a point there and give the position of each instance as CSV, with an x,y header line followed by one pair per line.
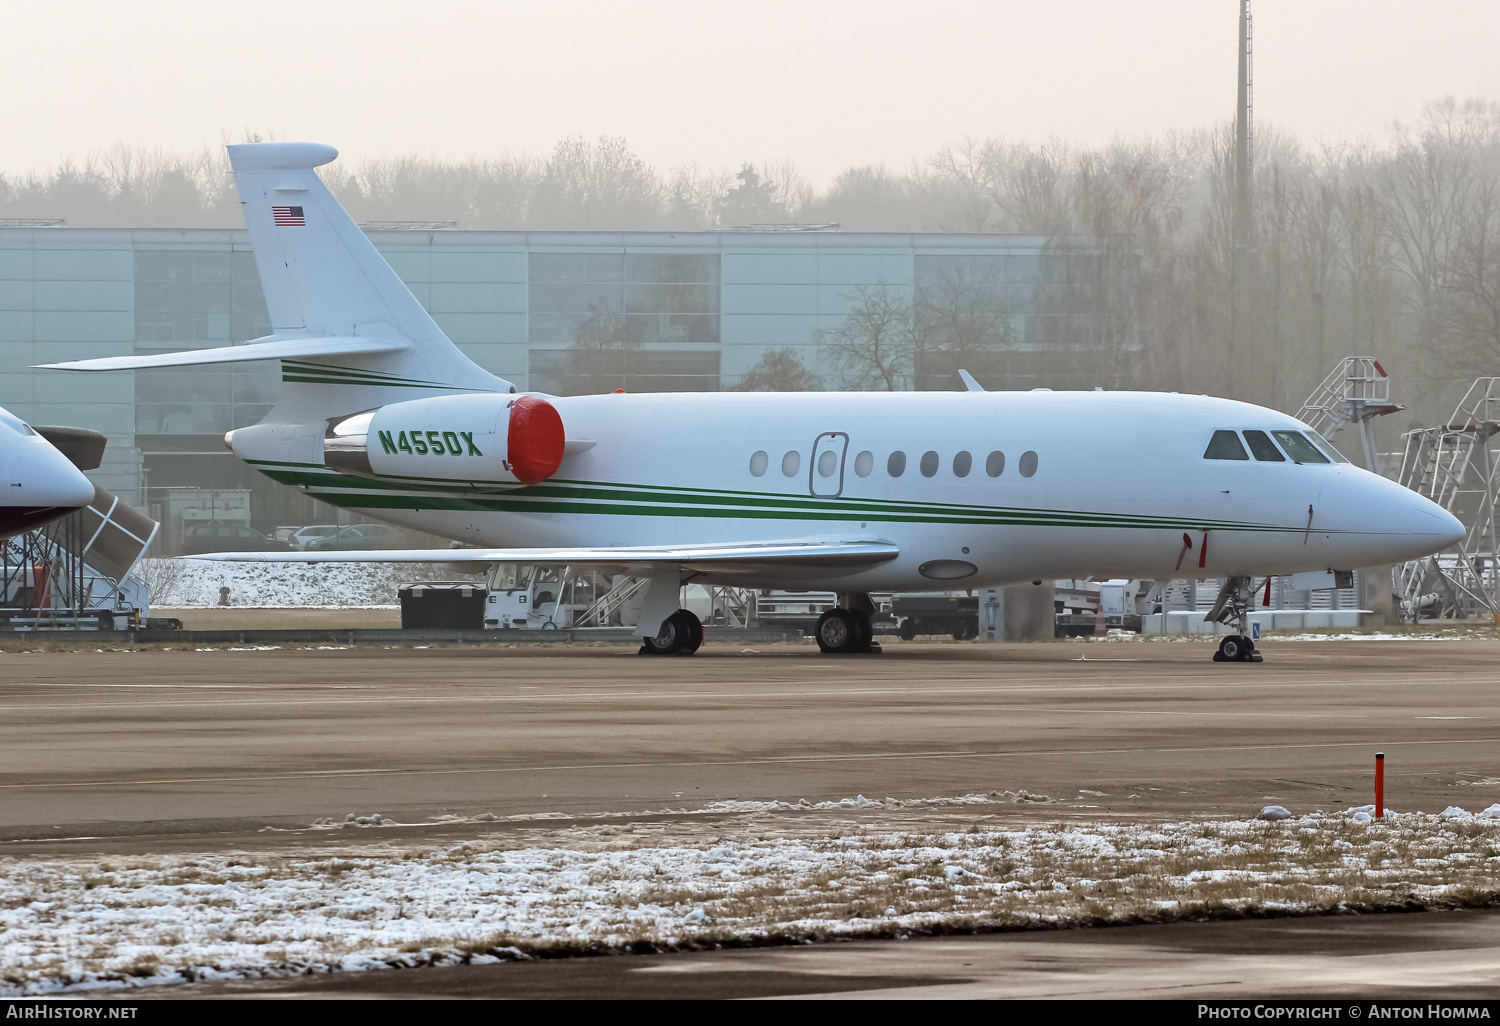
x,y
614,499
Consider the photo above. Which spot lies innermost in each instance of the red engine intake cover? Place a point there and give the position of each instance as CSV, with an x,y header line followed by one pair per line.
x,y
535,443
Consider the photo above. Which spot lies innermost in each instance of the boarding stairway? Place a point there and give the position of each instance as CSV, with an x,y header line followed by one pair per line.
x,y
1455,464
1354,392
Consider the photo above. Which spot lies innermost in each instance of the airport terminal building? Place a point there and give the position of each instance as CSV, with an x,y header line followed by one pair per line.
x,y
698,310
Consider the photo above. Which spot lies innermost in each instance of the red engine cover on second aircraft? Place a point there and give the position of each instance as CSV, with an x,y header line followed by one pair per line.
x,y
535,443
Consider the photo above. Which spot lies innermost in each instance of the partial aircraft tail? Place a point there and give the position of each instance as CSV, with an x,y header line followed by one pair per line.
x,y
339,313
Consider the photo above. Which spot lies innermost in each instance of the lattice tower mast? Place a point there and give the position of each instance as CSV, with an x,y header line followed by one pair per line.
x,y
1246,379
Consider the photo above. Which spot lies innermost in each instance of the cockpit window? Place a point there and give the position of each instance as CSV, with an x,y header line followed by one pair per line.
x,y
1299,448
1326,446
1265,450
1225,445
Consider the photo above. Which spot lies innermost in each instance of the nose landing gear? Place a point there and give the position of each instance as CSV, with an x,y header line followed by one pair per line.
x,y
1233,606
1237,648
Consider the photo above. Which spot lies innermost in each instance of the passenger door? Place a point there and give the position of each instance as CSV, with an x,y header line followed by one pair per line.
x,y
826,474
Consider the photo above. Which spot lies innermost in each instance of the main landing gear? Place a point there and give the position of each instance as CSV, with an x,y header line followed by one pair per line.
x,y
1233,605
845,629
680,634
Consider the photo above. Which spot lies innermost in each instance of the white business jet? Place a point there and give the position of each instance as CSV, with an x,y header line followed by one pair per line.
x,y
848,492
41,483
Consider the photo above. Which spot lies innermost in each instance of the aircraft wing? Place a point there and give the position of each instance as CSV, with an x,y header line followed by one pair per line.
x,y
742,558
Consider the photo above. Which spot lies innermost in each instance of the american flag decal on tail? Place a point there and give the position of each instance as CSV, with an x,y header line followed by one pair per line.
x,y
288,217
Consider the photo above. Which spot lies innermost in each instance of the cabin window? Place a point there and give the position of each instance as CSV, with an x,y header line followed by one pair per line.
x,y
1299,448
791,463
758,463
1225,445
1028,463
1326,446
995,464
962,464
896,465
1265,450
828,463
929,463
864,463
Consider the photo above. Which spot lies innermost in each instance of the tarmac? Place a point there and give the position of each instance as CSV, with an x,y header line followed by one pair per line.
x,y
163,749
1431,956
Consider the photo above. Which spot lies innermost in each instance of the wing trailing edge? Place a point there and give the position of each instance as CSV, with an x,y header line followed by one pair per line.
x,y
271,348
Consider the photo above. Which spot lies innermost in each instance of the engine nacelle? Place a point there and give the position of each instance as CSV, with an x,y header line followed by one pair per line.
x,y
477,438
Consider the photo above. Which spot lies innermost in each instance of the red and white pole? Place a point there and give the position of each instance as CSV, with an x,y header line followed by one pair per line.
x,y
1379,785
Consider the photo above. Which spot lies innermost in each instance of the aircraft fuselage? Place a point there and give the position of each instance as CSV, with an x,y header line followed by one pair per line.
x,y
984,488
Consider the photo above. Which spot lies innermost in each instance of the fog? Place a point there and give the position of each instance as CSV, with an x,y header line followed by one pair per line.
x,y
1104,127
831,84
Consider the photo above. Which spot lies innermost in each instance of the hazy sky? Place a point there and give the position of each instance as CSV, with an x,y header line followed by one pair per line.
x,y
829,83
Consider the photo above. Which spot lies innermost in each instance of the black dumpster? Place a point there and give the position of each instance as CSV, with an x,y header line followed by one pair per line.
x,y
442,604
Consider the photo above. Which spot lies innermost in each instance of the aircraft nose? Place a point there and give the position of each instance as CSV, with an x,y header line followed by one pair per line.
x,y
1451,529
48,478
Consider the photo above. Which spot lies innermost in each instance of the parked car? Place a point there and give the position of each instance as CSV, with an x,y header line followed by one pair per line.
x,y
216,537
302,535
359,536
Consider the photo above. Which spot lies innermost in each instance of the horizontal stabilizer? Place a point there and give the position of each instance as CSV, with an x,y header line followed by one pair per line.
x,y
749,558
263,349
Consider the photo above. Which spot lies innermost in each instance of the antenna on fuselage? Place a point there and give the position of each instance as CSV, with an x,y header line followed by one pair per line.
x,y
969,382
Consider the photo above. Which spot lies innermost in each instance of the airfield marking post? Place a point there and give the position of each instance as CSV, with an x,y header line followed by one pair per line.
x,y
1379,785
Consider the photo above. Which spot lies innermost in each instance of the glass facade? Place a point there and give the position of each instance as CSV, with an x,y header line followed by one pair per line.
x,y
638,321
558,312
1022,320
196,299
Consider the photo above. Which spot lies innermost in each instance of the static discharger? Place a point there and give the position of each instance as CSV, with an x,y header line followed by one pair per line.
x,y
1379,785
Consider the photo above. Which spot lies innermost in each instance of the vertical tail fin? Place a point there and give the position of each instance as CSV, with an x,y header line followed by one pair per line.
x,y
323,278
342,319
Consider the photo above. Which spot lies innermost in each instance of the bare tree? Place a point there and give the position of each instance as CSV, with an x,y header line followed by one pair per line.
x,y
161,575
868,198
876,347
961,321
1439,191
601,357
788,185
779,370
597,185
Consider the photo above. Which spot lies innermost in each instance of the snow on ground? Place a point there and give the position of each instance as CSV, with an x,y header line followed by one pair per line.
x,y
1381,636
1422,632
778,875
193,583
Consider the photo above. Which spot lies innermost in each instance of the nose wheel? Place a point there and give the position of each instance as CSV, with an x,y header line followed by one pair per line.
x,y
1237,648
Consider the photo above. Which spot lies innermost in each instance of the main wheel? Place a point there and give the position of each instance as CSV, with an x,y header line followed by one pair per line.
x,y
865,633
837,632
1235,648
908,629
692,639
668,640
